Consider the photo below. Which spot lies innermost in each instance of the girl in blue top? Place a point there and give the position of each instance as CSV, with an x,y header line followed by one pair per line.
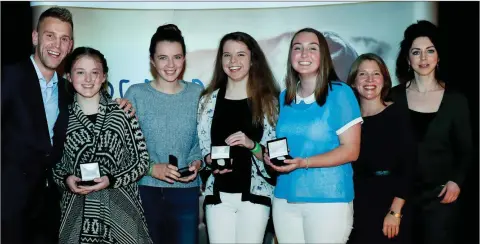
x,y
320,117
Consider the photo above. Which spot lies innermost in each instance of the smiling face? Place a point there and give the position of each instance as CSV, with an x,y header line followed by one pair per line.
x,y
236,60
305,54
423,56
87,76
168,60
53,42
369,80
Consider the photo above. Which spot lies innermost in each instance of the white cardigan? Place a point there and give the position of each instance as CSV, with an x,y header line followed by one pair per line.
x,y
259,186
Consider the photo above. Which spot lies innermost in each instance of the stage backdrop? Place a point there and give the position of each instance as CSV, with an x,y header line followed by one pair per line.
x,y
122,31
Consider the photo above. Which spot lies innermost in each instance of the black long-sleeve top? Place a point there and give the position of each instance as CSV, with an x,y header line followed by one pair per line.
x,y
387,156
382,172
445,150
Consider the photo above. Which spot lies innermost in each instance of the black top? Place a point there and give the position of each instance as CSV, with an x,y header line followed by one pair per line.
x,y
445,153
387,153
382,172
92,118
420,122
233,116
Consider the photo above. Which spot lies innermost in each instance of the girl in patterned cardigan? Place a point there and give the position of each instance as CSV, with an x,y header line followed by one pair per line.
x,y
103,141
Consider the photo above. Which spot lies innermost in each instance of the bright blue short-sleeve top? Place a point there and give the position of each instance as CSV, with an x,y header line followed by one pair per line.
x,y
310,130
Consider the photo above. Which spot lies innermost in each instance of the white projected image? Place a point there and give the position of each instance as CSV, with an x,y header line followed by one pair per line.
x,y
351,29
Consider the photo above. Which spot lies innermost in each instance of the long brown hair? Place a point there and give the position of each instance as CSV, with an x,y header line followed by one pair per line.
x,y
262,90
326,73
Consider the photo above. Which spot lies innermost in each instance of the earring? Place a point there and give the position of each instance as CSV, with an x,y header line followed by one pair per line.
x,y
438,66
409,68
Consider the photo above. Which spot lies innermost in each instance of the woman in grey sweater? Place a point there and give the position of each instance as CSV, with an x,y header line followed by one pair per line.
x,y
167,112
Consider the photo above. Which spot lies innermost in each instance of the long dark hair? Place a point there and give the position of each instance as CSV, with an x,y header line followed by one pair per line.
x,y
422,28
262,89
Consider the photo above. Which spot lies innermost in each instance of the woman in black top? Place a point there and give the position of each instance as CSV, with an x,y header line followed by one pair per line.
x,y
238,109
440,121
382,171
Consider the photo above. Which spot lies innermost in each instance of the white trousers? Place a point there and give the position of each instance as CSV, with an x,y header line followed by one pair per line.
x,y
312,222
234,221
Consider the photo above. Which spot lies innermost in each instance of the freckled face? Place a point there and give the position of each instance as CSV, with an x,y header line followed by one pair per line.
x,y
87,76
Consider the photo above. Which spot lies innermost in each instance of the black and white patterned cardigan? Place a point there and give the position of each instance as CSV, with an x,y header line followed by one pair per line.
x,y
116,143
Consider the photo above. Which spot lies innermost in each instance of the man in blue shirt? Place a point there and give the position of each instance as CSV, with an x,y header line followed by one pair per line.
x,y
34,102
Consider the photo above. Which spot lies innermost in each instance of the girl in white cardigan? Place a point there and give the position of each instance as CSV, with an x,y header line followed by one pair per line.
x,y
238,109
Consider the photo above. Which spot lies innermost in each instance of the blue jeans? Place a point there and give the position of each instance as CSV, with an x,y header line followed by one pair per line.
x,y
171,213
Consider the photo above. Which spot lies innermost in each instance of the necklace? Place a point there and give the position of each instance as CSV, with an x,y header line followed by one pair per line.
x,y
416,89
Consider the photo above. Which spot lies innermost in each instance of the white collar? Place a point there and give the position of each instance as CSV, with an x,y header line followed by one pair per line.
x,y
308,100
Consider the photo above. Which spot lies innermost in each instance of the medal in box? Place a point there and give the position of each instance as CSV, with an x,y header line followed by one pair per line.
x,y
221,157
89,172
278,151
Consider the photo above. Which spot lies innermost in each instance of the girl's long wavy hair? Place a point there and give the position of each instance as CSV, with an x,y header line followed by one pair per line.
x,y
262,89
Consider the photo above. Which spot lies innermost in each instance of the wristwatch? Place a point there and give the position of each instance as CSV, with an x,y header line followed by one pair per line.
x,y
397,215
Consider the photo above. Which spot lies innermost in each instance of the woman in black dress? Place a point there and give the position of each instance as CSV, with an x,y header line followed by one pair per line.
x,y
382,171
440,121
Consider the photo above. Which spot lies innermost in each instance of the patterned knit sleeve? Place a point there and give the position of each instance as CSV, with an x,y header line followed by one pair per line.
x,y
60,174
268,134
137,159
202,126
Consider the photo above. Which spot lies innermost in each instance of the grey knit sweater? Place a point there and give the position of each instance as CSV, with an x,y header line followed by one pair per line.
x,y
169,123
